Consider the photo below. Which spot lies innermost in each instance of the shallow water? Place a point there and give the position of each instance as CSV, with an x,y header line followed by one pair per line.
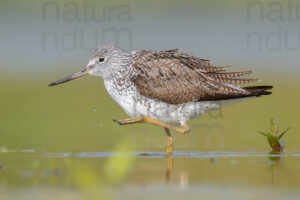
x,y
249,174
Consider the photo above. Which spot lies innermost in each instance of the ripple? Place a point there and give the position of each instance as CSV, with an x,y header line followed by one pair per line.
x,y
188,154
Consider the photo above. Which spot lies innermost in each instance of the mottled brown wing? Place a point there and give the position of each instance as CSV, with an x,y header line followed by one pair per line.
x,y
177,78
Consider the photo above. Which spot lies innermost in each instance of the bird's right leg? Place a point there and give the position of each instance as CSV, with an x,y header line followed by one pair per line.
x,y
170,141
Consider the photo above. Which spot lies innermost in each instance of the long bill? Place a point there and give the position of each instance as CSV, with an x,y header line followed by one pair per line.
x,y
71,77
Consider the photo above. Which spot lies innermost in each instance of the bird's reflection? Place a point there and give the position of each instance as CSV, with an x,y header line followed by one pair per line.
x,y
169,168
183,180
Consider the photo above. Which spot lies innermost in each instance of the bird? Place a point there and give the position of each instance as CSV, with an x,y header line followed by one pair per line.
x,y
166,88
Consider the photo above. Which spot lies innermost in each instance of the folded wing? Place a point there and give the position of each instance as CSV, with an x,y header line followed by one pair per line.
x,y
176,78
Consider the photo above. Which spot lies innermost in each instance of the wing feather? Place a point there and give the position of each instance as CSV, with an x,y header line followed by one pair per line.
x,y
176,78
229,74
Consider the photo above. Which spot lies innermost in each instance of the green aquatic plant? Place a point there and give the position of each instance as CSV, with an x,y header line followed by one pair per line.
x,y
274,137
95,185
117,167
3,149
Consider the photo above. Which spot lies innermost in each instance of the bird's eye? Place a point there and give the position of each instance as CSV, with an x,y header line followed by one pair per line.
x,y
101,59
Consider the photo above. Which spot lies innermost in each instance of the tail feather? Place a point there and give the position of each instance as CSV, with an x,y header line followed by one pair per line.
x,y
259,90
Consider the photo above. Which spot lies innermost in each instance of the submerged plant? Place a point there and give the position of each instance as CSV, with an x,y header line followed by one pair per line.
x,y
274,137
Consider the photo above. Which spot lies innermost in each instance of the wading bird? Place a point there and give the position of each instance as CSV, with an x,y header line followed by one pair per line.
x,y
166,88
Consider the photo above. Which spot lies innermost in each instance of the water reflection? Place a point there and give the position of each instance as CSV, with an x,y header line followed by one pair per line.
x,y
150,168
274,160
149,173
212,155
184,177
169,168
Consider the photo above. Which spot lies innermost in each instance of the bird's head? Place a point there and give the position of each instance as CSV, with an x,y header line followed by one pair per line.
x,y
102,63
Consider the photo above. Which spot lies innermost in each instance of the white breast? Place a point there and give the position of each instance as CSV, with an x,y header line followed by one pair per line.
x,y
123,95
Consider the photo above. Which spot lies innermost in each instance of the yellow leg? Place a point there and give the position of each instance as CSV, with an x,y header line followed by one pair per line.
x,y
168,127
170,142
144,119
181,130
138,119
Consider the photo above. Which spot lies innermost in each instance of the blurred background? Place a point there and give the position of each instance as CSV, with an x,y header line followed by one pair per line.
x,y
43,41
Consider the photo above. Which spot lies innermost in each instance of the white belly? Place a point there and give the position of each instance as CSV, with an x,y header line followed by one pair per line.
x,y
134,105
173,114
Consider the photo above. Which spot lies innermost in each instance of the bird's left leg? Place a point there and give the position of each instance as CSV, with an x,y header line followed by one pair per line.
x,y
137,119
144,119
181,130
